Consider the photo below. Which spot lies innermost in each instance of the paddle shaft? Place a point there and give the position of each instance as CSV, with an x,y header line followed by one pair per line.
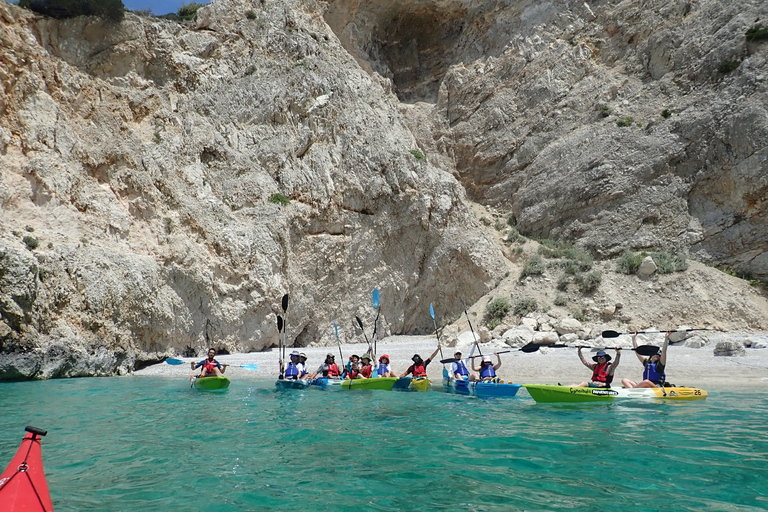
x,y
470,326
614,334
437,333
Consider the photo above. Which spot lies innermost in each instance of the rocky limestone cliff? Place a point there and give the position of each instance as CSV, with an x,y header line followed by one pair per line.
x,y
138,162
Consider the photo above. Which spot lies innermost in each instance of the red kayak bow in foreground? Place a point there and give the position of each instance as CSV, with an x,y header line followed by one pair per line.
x,y
22,485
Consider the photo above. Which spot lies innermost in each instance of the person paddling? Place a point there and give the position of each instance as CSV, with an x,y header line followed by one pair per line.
x,y
211,367
303,374
487,369
329,369
419,366
384,370
602,369
653,374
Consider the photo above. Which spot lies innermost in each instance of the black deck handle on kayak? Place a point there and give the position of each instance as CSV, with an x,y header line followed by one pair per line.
x,y
35,431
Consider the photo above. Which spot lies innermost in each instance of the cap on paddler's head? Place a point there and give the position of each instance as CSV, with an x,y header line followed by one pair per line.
x,y
416,357
487,359
601,353
295,353
457,353
329,355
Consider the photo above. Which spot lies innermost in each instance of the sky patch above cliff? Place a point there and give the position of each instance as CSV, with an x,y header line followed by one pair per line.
x,y
158,7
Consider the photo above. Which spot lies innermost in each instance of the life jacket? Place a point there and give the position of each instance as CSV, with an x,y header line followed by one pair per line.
x,y
650,373
600,373
487,371
460,368
350,374
419,370
383,368
332,370
366,371
209,365
292,371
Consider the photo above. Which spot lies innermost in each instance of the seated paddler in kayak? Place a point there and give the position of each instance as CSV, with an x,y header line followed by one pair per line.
x,y
366,368
602,369
459,370
295,369
328,370
211,367
384,370
487,370
304,374
653,374
419,366
352,367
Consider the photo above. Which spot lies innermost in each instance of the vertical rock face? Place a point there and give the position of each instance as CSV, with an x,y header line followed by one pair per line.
x,y
144,160
163,185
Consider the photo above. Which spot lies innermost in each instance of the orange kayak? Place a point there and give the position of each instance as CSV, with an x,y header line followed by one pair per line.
x,y
22,485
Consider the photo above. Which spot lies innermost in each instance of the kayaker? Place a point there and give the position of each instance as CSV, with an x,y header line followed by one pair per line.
x,y
352,367
459,370
366,368
384,369
653,374
294,368
211,367
487,370
329,369
419,366
303,361
602,371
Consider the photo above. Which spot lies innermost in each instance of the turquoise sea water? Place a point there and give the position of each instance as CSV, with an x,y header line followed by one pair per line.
x,y
154,444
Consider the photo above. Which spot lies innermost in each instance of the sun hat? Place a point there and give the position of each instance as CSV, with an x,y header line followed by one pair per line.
x,y
295,353
458,352
303,355
601,353
384,356
487,359
365,356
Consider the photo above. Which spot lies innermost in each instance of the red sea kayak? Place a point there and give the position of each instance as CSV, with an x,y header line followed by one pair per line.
x,y
22,485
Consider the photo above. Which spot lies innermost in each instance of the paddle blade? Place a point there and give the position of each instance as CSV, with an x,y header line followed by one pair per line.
x,y
375,298
449,360
611,334
285,303
431,311
174,362
250,366
336,328
359,322
647,350
279,323
530,347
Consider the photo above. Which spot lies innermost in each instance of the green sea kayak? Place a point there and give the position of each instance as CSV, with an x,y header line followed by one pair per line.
x,y
212,383
383,383
547,393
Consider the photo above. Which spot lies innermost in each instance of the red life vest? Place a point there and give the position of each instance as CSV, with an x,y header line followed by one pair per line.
x,y
209,365
600,373
333,370
419,370
366,371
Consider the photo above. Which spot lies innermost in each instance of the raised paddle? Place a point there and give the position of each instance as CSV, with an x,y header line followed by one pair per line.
x,y
451,360
280,343
471,329
437,333
338,342
360,323
375,301
614,334
643,350
281,327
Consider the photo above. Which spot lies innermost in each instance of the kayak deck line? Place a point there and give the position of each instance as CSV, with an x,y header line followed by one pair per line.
x,y
22,485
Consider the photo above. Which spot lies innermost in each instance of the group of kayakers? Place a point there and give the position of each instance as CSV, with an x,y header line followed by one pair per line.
x,y
359,367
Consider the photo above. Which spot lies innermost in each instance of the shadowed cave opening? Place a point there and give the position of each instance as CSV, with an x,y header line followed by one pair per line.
x,y
411,43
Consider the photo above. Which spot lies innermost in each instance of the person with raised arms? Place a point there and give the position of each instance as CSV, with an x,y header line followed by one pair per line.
x,y
366,368
211,367
602,369
487,370
459,370
653,374
419,366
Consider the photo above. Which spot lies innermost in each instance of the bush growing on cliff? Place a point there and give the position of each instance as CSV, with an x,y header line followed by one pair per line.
x,y
533,266
625,121
418,155
112,10
588,282
525,306
280,199
495,311
757,33
629,262
727,67
666,263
